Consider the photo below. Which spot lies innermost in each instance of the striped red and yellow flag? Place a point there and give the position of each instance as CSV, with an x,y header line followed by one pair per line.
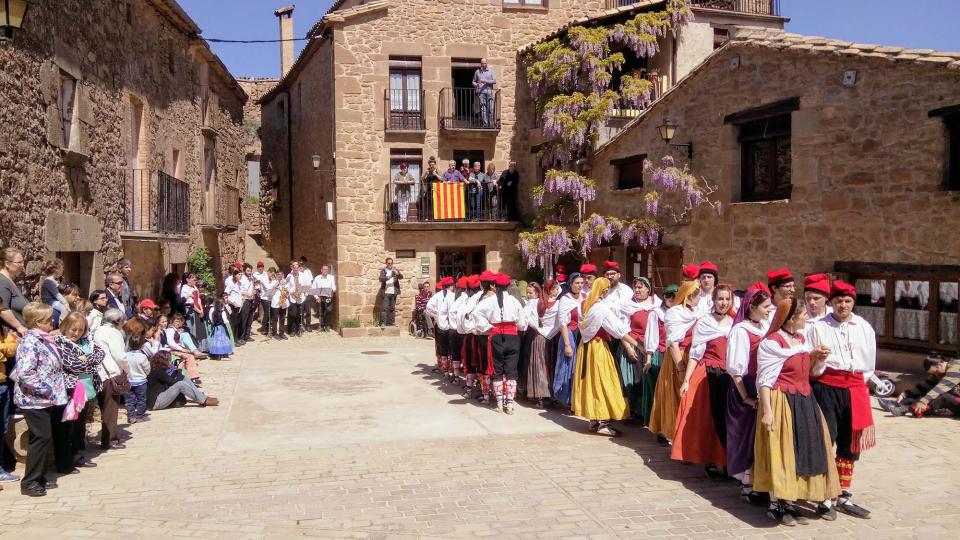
x,y
448,201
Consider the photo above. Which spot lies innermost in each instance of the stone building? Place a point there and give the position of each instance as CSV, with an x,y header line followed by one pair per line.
x,y
841,158
387,81
122,137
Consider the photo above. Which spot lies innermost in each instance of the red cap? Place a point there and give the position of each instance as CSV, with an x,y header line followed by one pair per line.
x,y
487,276
238,265
760,286
503,280
447,281
691,271
440,285
561,278
147,303
611,265
462,283
777,277
842,288
561,269
473,282
819,283
260,263
587,268
707,267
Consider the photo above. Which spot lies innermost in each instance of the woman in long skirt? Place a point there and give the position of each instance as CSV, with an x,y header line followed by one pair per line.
x,y
655,344
639,312
597,392
678,324
749,329
701,423
541,318
793,454
220,344
568,319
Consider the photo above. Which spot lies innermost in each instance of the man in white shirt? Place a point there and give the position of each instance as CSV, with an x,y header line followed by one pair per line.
x,y
326,284
840,387
589,273
816,289
248,289
260,282
782,286
297,283
390,288
232,287
306,311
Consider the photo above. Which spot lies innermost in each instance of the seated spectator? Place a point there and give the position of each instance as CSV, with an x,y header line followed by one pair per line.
x,y
940,394
148,311
113,372
80,359
166,388
138,366
134,327
177,340
151,338
40,392
50,290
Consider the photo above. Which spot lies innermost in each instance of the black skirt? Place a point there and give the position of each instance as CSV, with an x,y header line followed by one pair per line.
x,y
809,445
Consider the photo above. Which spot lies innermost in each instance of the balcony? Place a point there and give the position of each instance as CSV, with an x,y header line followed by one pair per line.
x,y
444,204
753,7
155,203
462,109
403,110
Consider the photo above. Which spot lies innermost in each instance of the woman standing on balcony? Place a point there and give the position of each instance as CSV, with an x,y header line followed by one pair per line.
x,y
429,178
403,182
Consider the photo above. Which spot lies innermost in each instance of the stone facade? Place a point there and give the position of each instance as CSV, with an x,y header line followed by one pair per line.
x,y
868,163
332,105
147,95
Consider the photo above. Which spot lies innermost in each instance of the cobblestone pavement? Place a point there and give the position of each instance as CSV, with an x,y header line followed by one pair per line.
x,y
316,438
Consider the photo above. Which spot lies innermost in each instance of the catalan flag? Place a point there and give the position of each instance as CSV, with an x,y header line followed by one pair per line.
x,y
448,200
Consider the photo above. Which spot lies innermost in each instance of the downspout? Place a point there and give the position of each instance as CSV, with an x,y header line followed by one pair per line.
x,y
289,121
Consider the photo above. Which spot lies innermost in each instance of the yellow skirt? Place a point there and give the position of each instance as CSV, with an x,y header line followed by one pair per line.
x,y
597,394
666,398
774,466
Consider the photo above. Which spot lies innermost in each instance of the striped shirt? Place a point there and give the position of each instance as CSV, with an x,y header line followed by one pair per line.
x,y
949,384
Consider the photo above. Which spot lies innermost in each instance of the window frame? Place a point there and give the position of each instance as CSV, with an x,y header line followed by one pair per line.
x,y
525,4
890,273
779,190
618,165
950,116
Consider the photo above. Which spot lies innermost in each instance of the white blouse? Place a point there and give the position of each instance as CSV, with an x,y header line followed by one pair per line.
x,y
771,357
707,329
853,345
605,315
738,346
677,321
488,313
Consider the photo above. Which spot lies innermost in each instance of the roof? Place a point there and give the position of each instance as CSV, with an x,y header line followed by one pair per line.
x,y
317,36
608,14
747,37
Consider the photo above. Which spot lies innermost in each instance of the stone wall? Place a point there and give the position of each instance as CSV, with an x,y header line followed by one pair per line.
x,y
118,57
867,162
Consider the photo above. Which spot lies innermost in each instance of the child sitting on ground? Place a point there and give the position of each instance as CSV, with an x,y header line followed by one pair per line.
x,y
178,340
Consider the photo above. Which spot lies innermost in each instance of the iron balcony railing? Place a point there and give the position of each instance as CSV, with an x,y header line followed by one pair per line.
x,y
755,7
466,109
403,110
156,202
444,202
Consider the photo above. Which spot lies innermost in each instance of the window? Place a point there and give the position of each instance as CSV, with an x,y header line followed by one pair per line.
x,y
136,131
414,160
472,155
908,306
530,3
253,178
176,164
68,109
629,171
765,151
953,161
720,36
460,261
209,179
405,93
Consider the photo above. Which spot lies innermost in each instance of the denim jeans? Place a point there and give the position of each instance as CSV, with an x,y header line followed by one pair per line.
x,y
137,400
184,387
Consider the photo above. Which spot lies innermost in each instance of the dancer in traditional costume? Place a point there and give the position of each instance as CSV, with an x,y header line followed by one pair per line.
x,y
793,456
470,360
597,394
589,273
840,385
438,308
639,314
782,286
678,323
481,368
749,329
709,276
568,319
816,290
501,315
701,421
542,318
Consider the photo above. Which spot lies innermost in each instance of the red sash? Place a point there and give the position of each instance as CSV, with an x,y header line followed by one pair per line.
x,y
864,433
508,328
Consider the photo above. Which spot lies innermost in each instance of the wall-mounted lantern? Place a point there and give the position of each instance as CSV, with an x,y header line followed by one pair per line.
x,y
667,130
11,17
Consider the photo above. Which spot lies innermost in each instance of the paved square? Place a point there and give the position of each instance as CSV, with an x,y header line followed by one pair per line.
x,y
315,438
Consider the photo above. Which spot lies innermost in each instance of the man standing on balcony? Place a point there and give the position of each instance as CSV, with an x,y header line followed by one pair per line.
x,y
390,287
483,82
429,178
509,182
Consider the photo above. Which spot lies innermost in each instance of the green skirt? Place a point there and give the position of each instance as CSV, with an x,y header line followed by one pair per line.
x,y
630,381
648,387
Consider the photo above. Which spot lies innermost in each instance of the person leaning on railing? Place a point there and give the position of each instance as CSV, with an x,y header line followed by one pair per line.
x,y
491,195
452,174
403,182
425,204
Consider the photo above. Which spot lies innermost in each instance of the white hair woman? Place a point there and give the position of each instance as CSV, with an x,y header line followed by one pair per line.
x,y
113,373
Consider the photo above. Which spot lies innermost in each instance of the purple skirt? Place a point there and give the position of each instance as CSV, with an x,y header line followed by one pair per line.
x,y
741,427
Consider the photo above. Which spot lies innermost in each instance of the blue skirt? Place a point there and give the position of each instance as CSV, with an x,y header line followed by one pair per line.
x,y
563,374
220,344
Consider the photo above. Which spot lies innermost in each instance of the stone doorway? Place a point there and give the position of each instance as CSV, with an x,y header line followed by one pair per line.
x,y
458,261
662,265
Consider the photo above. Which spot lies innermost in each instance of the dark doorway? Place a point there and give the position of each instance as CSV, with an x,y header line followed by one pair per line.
x,y
78,269
465,110
455,262
662,266
473,155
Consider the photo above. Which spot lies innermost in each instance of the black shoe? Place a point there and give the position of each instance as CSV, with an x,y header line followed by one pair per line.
x,y
756,498
797,516
714,472
84,463
72,470
777,512
825,513
662,440
33,489
848,507
50,484
893,407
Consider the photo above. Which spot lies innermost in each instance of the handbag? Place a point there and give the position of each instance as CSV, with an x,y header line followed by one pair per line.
x,y
121,384
87,382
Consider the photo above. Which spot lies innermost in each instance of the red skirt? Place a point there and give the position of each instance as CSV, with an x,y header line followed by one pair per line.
x,y
696,440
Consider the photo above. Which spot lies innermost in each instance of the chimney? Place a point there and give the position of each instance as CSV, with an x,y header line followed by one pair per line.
x,y
285,14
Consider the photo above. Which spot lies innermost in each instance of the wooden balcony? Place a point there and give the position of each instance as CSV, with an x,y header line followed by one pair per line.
x,y
154,203
752,7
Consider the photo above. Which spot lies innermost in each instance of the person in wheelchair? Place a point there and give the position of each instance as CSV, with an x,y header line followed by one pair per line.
x,y
420,326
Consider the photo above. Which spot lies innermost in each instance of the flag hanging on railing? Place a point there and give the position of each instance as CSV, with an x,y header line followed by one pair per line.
x,y
448,201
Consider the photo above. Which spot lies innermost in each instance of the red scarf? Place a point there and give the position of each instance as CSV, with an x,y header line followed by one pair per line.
x,y
864,433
